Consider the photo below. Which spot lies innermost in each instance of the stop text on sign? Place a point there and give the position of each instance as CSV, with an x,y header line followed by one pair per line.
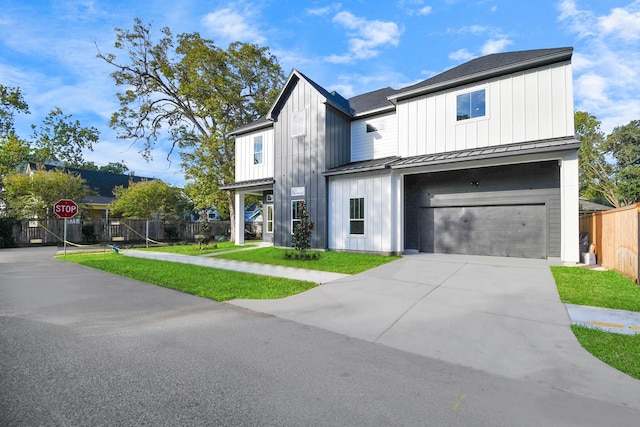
x,y
65,208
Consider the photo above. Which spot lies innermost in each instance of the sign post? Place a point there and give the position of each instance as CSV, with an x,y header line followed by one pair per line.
x,y
66,209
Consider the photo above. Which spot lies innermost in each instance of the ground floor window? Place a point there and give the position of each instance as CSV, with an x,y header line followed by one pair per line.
x,y
296,213
356,216
269,218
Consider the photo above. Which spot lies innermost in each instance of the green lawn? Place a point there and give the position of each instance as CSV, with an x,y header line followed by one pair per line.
x,y
607,289
335,262
196,249
219,285
617,350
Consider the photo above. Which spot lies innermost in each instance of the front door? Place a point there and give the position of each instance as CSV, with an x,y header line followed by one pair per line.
x,y
267,233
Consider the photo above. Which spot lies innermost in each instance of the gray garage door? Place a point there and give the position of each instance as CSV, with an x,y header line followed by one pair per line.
x,y
503,230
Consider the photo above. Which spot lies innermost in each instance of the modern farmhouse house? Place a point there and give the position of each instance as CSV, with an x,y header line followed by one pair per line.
x,y
480,159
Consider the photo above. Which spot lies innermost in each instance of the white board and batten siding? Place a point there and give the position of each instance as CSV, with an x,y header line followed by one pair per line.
x,y
383,142
379,217
524,106
246,170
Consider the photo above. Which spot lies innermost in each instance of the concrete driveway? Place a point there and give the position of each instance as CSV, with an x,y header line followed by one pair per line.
x,y
498,315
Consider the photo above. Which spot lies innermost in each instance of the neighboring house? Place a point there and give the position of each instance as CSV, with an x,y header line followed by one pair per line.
x,y
480,159
101,183
587,206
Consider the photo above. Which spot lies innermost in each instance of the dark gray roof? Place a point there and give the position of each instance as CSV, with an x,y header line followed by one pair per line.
x,y
262,122
372,100
492,65
588,206
556,144
363,166
102,183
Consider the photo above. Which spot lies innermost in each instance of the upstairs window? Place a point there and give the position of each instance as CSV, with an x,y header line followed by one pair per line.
x,y
298,123
470,105
257,150
356,216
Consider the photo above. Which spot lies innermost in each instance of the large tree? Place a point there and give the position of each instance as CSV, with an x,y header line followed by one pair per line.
x,y
193,92
150,199
11,102
33,196
60,139
623,147
609,164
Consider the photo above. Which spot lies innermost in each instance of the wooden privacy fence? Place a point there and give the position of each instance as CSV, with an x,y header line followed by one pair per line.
x,y
118,231
616,238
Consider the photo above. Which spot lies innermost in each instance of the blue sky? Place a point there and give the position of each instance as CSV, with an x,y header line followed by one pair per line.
x,y
48,49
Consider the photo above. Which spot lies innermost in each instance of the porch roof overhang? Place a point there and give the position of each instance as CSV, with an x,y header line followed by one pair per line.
x,y
250,186
476,155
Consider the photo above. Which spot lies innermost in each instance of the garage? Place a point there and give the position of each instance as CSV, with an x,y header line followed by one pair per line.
x,y
502,230
510,210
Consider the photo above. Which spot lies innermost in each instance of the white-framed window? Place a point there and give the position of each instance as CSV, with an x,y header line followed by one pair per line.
x,y
257,150
298,123
269,218
296,206
356,215
471,105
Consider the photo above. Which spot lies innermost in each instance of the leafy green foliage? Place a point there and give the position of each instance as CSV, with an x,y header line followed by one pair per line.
x,y
33,196
11,102
197,93
150,199
609,165
59,139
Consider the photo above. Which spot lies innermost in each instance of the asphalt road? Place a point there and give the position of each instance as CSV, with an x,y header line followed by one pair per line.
x,y
80,347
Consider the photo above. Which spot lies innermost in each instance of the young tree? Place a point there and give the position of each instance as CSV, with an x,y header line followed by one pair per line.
x,y
301,239
33,196
150,199
196,93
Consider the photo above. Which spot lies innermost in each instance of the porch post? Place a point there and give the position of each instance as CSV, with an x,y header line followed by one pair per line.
x,y
239,220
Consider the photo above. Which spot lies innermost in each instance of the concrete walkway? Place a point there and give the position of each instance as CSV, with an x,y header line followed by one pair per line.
x,y
607,319
319,277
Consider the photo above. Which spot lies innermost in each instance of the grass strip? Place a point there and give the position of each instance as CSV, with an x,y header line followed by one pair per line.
x,y
196,249
617,350
219,285
608,289
335,262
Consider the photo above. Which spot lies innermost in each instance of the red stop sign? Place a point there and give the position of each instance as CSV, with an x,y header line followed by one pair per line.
x,y
65,208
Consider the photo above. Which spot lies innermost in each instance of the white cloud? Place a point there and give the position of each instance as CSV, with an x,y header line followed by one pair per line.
x,y
461,55
621,24
366,37
606,63
415,7
495,45
232,25
322,11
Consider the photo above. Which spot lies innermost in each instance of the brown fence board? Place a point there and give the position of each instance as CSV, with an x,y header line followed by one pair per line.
x,y
615,235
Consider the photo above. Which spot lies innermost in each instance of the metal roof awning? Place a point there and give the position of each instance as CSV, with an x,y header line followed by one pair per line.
x,y
256,184
482,153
